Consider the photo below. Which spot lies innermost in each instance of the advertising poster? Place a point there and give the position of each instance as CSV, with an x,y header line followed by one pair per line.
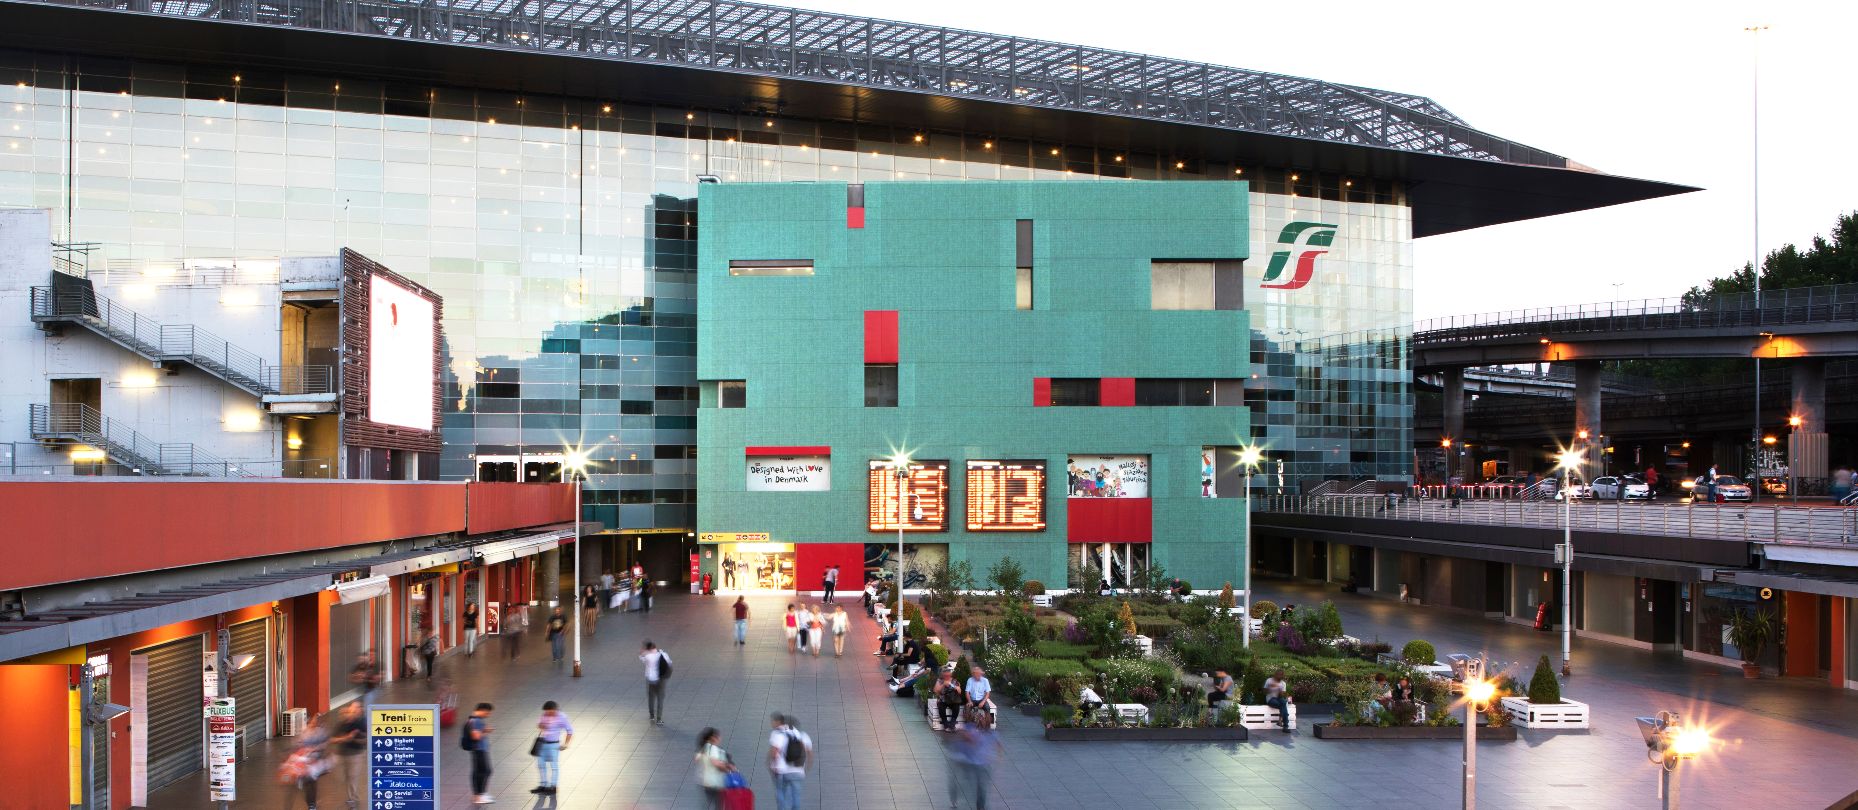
x,y
222,750
1108,476
493,618
1209,487
400,355
793,474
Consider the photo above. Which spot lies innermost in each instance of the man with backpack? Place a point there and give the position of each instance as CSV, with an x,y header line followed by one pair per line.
x,y
789,751
476,739
657,671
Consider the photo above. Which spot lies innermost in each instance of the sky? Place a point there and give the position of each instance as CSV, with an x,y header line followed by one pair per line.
x,y
1643,88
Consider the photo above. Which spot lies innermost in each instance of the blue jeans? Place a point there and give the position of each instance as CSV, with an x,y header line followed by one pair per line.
x,y
559,645
549,763
1283,710
787,791
741,631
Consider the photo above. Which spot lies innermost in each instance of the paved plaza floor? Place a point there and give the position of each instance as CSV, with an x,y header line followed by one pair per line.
x,y
1785,744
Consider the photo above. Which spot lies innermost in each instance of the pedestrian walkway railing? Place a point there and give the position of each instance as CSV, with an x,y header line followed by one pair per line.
x,y
1800,305
80,423
1754,523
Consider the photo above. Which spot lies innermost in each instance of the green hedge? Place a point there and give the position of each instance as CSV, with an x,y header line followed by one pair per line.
x,y
1061,649
1032,670
1160,672
1157,626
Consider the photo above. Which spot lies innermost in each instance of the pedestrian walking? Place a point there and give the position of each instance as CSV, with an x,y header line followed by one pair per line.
x,y
713,767
515,621
557,634
841,623
792,623
606,590
590,608
429,653
789,752
819,629
477,741
366,674
741,621
803,624
349,738
307,763
972,753
657,671
646,588
553,734
471,625
832,581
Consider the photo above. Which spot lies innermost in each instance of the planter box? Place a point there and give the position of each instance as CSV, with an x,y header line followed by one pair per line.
x,y
1326,732
1145,644
1261,717
1571,714
1144,734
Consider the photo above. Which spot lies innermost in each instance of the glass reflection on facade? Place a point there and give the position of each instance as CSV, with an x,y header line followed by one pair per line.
x,y
561,233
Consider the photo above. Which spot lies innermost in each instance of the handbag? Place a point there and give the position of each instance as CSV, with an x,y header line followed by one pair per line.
x,y
734,779
535,748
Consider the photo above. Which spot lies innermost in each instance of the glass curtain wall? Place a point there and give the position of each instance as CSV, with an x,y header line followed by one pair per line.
x,y
560,231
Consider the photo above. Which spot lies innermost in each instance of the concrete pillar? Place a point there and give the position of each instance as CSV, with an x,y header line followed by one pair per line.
x,y
1523,459
1587,415
1454,405
550,563
1809,394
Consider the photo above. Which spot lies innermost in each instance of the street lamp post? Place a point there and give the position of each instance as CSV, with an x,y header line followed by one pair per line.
x,y
1568,463
1793,444
1668,743
1477,694
577,470
1249,458
900,465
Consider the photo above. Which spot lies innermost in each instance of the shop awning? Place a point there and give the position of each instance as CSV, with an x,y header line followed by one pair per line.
x,y
361,590
1785,581
506,550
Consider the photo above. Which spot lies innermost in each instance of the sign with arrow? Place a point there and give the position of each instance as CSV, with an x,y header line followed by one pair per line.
x,y
403,757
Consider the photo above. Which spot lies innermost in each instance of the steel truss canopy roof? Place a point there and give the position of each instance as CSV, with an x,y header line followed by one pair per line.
x,y
747,56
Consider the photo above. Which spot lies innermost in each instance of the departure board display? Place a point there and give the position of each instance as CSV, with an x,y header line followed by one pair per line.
x,y
925,493
1006,496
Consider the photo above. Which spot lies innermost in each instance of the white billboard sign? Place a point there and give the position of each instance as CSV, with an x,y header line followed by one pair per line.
x,y
790,474
400,355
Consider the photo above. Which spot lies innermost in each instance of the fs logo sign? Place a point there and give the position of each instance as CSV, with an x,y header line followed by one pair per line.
x,y
1300,238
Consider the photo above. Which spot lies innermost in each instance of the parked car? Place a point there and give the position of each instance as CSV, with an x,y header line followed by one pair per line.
x,y
1728,489
1576,490
1607,488
1775,485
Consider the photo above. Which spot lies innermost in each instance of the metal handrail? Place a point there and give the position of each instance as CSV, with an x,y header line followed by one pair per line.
x,y
1740,522
300,379
79,422
150,338
1797,305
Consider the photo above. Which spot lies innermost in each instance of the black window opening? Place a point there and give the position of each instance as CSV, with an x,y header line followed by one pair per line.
x,y
1022,264
1189,391
1077,391
732,394
771,267
1178,284
880,386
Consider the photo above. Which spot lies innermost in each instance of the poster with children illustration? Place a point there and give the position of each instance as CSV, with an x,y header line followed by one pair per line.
x,y
1107,476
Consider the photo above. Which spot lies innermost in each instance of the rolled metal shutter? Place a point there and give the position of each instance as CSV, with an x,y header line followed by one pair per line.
x,y
348,633
100,766
175,711
248,685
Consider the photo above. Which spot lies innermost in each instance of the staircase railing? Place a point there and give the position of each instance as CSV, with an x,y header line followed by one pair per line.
x,y
154,340
81,423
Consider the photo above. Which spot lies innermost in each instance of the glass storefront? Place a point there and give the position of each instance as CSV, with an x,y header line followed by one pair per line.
x,y
756,567
561,233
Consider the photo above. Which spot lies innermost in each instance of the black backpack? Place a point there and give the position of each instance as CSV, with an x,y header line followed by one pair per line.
x,y
464,740
664,665
796,751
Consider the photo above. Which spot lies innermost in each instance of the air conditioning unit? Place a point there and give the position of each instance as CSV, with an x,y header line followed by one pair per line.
x,y
295,721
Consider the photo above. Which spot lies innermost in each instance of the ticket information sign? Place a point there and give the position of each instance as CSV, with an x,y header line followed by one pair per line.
x,y
222,749
403,757
925,491
1006,496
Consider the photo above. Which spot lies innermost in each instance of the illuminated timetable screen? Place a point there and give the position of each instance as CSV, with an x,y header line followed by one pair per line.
x,y
1006,496
926,491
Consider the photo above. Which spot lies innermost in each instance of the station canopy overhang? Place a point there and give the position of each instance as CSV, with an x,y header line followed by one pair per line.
x,y
1446,192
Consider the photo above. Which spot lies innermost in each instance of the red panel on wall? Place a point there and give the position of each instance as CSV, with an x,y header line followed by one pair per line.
x,y
786,450
812,559
494,507
75,530
1109,520
1116,391
38,764
1042,391
854,217
880,336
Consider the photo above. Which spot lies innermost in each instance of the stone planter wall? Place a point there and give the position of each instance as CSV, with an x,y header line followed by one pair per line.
x,y
1146,734
1326,732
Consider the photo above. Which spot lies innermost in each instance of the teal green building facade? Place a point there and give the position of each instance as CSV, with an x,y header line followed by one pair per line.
x,y
1126,352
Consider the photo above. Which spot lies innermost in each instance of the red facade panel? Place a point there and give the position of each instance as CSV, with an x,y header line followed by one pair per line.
x,y
1042,392
812,559
1116,391
880,336
854,217
787,450
495,507
1109,520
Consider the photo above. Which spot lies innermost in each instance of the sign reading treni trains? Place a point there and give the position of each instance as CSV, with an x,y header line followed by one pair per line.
x,y
403,757
1006,496
925,492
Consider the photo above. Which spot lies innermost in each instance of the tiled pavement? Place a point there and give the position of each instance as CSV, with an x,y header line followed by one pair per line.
x,y
1788,745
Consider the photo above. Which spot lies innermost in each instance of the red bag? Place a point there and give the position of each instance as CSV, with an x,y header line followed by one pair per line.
x,y
738,799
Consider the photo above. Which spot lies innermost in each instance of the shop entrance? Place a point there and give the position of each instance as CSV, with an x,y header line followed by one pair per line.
x,y
755,567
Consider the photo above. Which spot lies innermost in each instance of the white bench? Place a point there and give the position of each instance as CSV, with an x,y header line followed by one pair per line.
x,y
1568,714
1130,712
1042,600
1259,717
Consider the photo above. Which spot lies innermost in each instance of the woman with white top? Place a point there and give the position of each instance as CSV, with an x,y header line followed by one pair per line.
x,y
841,622
713,767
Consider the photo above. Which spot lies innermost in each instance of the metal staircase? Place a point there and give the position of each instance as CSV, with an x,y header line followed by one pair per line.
x,y
165,343
80,423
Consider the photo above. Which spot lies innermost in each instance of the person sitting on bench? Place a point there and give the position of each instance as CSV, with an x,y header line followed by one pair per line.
x,y
979,691
948,698
912,655
906,686
1220,692
1088,703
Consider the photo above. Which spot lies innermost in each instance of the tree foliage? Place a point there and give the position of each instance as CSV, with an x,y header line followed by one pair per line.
x,y
1007,576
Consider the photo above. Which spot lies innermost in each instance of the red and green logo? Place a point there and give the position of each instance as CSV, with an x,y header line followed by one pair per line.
x,y
1300,238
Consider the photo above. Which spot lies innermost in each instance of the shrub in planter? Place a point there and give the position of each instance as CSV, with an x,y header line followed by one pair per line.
x,y
1266,610
963,669
1418,652
1160,627
940,652
1007,575
1057,716
1061,649
1125,621
1037,669
1033,587
1019,625
1146,695
918,630
1543,688
1227,599
1074,633
1328,621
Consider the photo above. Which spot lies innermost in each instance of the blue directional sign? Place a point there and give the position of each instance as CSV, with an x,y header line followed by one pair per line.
x,y
403,757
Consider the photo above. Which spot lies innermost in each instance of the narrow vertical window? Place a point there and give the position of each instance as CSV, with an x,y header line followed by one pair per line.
x,y
732,393
880,386
1022,264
